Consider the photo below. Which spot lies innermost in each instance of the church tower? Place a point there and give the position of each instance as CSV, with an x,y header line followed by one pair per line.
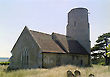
x,y
78,27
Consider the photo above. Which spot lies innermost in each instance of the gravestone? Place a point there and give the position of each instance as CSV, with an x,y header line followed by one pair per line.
x,y
77,73
70,74
91,75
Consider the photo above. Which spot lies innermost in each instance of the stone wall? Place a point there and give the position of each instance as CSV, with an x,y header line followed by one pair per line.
x,y
26,53
55,59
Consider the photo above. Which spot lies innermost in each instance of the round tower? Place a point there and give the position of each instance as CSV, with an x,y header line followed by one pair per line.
x,y
78,27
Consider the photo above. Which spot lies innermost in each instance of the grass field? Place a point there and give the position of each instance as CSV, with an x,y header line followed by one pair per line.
x,y
98,70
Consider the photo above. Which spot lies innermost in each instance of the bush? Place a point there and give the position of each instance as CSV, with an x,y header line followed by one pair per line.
x,y
4,63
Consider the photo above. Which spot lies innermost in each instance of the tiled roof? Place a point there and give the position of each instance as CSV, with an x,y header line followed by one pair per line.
x,y
57,43
70,45
46,42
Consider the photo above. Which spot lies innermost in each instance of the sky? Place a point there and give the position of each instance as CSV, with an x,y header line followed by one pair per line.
x,y
47,16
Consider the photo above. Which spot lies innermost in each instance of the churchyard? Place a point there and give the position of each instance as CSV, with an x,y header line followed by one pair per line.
x,y
61,71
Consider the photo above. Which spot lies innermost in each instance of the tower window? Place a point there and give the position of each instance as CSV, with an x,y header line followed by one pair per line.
x,y
74,23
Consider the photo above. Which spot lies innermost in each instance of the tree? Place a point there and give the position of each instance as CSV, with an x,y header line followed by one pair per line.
x,y
108,49
102,45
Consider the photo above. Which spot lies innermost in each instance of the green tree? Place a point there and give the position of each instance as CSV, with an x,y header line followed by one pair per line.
x,y
102,45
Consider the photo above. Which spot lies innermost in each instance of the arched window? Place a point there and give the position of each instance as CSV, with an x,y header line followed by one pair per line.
x,y
24,57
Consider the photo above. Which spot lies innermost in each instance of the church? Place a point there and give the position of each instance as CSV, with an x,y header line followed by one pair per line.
x,y
35,49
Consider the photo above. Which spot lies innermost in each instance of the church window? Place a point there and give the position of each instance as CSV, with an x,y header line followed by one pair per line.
x,y
73,57
76,57
81,62
26,56
21,58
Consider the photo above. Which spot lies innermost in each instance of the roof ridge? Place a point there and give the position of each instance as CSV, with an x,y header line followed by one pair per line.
x,y
63,35
58,34
40,32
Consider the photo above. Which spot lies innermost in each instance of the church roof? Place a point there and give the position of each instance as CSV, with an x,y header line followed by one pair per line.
x,y
45,42
70,45
64,43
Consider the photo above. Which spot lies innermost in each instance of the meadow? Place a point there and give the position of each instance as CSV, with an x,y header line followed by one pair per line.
x,y
97,70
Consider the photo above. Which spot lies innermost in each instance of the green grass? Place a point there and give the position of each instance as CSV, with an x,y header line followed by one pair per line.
x,y
98,70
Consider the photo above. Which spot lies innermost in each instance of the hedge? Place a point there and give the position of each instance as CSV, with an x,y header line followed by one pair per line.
x,y
4,63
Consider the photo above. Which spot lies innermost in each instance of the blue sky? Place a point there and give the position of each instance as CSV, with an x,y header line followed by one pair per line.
x,y
47,16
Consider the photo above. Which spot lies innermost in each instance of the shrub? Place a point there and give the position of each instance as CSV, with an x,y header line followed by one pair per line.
x,y
4,63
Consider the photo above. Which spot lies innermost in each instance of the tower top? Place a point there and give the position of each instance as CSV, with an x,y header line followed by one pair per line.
x,y
79,9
